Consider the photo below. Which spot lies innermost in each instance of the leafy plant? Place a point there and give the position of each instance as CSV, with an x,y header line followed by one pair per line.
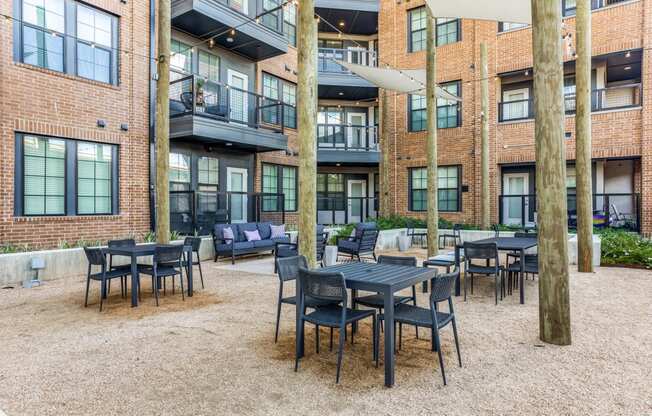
x,y
625,248
341,233
174,235
149,237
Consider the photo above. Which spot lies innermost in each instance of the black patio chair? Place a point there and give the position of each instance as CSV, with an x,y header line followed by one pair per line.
x,y
96,257
283,250
195,243
485,252
513,268
331,287
496,230
127,242
456,237
167,262
415,235
288,270
377,301
431,317
364,243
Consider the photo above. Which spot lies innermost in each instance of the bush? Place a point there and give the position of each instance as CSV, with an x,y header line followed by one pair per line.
x,y
342,233
624,248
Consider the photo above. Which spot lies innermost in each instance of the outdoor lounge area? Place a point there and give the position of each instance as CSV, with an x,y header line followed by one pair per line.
x,y
216,350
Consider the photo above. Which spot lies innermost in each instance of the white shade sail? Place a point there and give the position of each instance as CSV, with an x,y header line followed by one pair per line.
x,y
409,81
511,11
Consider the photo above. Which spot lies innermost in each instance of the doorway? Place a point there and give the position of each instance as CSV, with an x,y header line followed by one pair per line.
x,y
357,202
236,182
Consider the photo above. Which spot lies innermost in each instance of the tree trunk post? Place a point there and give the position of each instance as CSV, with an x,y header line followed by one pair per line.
x,y
583,138
307,129
554,302
431,142
385,202
484,153
163,125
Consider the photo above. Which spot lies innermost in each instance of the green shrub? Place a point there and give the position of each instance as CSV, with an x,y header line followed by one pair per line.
x,y
625,248
343,232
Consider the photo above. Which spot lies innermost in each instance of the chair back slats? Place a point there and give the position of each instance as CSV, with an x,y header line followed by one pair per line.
x,y
168,253
330,287
480,251
457,233
443,286
195,242
127,242
288,267
398,261
496,230
368,240
322,240
525,235
95,256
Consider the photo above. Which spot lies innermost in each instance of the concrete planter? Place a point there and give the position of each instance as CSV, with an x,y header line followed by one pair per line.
x,y
330,255
404,243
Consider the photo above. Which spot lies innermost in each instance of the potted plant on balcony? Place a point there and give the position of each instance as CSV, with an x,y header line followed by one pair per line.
x,y
199,92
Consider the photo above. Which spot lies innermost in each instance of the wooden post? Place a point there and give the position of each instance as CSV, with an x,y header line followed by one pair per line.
x,y
163,124
583,138
307,129
485,200
385,202
554,303
431,142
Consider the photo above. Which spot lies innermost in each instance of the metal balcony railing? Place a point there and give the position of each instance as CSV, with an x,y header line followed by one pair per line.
x,y
328,56
347,137
194,95
342,210
612,98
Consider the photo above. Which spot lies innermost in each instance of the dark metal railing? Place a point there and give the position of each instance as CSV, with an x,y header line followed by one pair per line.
x,y
613,210
194,95
612,98
195,212
272,20
343,210
347,137
328,56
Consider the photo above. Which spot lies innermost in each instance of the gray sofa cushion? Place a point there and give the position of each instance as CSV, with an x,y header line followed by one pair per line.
x,y
285,239
264,243
249,226
223,248
347,246
265,231
243,245
219,233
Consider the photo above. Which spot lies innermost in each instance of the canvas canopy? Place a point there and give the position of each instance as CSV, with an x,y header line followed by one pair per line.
x,y
512,11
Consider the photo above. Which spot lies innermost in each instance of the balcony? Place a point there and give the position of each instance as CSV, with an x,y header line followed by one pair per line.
x,y
215,17
337,82
346,210
214,113
347,144
607,99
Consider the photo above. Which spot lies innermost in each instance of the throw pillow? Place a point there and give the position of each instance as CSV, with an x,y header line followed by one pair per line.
x,y
227,234
278,231
252,235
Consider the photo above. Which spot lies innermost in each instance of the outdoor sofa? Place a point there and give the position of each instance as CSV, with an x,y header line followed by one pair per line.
x,y
238,246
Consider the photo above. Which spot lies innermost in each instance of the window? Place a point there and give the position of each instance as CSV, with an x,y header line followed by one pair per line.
x,y
330,191
269,18
209,66
43,30
330,129
181,56
283,178
569,7
44,176
94,178
448,111
65,177
417,29
92,46
507,27
448,192
277,89
208,171
448,31
290,24
179,172
417,113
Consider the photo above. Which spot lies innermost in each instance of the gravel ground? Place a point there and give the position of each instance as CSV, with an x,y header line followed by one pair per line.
x,y
214,354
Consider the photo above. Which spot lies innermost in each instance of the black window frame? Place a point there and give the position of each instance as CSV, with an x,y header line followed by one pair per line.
x,y
279,188
411,112
458,189
70,177
458,31
456,105
324,197
290,27
70,40
289,110
411,32
501,27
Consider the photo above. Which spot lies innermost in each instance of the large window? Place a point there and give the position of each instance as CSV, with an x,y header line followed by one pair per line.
x,y
94,165
449,189
44,175
330,191
65,177
507,27
279,89
569,7
279,178
448,31
56,32
290,24
179,172
208,169
181,56
209,66
448,111
417,29
417,113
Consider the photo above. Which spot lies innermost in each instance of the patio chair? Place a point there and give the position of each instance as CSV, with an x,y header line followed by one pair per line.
x,y
456,237
127,242
288,270
364,242
496,230
283,250
377,301
331,287
485,252
168,262
195,243
431,317
96,257
413,234
514,267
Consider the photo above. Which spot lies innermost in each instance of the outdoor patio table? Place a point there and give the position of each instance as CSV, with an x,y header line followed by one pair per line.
x,y
505,244
144,250
381,278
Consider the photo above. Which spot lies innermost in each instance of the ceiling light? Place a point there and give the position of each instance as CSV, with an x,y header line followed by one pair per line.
x,y
211,43
229,39
341,23
627,68
628,54
340,93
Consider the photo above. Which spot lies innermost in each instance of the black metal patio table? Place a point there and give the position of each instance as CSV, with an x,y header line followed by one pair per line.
x,y
519,244
144,250
382,278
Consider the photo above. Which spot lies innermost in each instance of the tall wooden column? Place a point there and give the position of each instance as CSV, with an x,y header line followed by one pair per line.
x,y
583,138
431,142
307,128
554,302
484,152
384,165
163,124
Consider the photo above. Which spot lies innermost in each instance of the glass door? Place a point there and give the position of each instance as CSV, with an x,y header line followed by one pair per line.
x,y
515,189
357,191
237,184
355,136
238,100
